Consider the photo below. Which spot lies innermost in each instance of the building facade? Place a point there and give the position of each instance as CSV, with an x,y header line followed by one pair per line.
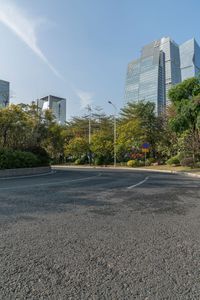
x,y
161,65
4,93
172,64
190,59
56,104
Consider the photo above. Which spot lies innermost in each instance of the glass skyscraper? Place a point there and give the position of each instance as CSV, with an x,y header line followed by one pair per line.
x,y
190,59
4,93
159,67
172,64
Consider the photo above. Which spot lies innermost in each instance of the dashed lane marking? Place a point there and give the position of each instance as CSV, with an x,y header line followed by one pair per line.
x,y
137,184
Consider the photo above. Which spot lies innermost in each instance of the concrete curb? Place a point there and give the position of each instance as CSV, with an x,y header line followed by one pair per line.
x,y
8,173
127,168
190,174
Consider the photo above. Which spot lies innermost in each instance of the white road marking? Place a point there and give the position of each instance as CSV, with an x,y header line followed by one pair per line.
x,y
47,183
27,176
137,184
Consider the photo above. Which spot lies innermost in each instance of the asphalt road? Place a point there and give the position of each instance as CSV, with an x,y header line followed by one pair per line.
x,y
100,234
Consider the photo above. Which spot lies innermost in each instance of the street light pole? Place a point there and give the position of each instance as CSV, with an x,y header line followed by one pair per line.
x,y
89,135
115,132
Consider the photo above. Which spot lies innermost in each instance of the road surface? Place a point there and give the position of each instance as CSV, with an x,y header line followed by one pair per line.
x,y
100,234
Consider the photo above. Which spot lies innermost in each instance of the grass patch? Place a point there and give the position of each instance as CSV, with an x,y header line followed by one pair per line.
x,y
172,168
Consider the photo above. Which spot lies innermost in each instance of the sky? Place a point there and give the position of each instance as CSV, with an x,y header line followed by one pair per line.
x,y
79,49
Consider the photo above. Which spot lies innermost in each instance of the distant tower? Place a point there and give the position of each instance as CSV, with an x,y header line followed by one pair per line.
x,y
4,93
190,59
161,65
56,104
172,64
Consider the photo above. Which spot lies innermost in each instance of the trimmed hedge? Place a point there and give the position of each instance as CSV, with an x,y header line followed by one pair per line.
x,y
13,159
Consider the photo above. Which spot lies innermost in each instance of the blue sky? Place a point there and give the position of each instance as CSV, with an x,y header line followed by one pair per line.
x,y
79,49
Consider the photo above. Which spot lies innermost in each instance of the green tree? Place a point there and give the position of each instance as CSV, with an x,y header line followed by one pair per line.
x,y
55,142
129,136
23,127
184,90
15,127
185,99
77,136
77,149
140,124
102,147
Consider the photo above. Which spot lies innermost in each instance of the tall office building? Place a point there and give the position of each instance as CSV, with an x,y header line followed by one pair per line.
x,y
4,93
190,59
172,64
161,65
56,104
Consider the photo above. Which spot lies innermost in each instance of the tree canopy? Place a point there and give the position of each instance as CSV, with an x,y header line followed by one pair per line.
x,y
90,138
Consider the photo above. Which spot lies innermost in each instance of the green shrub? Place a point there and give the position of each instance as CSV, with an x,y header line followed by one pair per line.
x,y
140,163
173,161
150,161
81,161
42,155
78,161
99,160
132,163
11,159
180,156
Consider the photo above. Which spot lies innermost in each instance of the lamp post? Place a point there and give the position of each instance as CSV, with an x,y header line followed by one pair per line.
x,y
115,131
89,134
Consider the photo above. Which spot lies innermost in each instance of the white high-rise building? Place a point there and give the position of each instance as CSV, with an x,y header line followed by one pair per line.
x,y
56,104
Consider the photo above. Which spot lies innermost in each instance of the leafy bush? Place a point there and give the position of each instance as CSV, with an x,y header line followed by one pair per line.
x,y
10,159
42,155
99,160
132,163
82,160
150,161
187,162
173,160
78,161
140,163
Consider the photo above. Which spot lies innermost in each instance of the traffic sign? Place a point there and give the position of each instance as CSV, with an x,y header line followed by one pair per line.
x,y
146,145
145,150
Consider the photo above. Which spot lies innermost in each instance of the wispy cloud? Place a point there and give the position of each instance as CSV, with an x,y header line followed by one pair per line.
x,y
85,98
25,27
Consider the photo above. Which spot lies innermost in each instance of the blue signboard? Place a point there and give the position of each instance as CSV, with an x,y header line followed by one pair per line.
x,y
146,146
